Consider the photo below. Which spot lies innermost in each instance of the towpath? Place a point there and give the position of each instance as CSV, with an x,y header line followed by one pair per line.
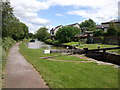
x,y
20,73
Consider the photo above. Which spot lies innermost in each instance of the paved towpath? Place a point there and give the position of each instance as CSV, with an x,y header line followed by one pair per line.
x,y
20,73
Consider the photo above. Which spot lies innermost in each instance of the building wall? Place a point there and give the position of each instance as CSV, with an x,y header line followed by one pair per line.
x,y
55,31
77,25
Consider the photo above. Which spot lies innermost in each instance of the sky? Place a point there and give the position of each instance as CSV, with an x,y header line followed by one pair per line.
x,y
51,13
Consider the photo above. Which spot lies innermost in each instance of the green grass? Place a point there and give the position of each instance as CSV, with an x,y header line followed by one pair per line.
x,y
93,46
69,58
71,74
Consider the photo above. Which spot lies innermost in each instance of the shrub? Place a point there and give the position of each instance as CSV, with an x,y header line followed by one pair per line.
x,y
56,43
98,33
67,33
7,43
49,41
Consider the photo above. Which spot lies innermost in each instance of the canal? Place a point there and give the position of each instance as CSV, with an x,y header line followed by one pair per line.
x,y
38,44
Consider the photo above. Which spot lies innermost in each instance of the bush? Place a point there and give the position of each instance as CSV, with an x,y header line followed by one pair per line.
x,y
52,42
49,41
56,43
98,33
7,43
112,30
67,33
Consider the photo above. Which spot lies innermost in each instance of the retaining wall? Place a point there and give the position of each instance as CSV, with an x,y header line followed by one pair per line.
x,y
105,56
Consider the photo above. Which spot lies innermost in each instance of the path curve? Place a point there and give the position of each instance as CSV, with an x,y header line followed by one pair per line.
x,y
20,73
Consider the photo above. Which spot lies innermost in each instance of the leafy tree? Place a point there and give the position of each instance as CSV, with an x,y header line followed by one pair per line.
x,y
98,33
88,25
112,30
118,30
42,34
67,33
11,26
31,35
7,18
25,30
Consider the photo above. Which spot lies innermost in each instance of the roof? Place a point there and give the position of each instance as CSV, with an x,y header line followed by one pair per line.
x,y
102,26
89,32
62,26
52,29
82,35
73,24
55,28
114,21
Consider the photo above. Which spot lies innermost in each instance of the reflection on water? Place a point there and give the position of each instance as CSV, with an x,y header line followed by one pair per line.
x,y
39,44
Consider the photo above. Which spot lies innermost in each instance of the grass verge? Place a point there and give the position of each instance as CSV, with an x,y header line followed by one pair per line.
x,y
70,74
69,58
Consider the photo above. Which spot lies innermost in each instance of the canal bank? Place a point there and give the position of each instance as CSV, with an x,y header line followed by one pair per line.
x,y
100,56
58,74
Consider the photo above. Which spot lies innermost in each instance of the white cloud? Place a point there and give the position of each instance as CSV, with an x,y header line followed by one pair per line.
x,y
58,14
98,10
106,11
26,10
39,21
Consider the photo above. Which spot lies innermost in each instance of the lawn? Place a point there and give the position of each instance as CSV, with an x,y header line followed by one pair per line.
x,y
69,58
93,46
70,74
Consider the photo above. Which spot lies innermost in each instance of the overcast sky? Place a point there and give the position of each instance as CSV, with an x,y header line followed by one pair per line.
x,y
50,13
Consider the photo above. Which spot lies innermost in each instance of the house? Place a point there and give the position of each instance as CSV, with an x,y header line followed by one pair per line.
x,y
105,25
84,37
116,22
53,31
74,25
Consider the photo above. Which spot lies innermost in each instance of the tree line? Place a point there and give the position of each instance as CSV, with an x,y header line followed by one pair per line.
x,y
67,33
11,25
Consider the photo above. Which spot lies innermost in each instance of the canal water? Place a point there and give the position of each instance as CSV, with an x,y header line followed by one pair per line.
x,y
38,44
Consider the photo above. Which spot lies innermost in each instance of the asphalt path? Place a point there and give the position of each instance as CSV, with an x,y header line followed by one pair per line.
x,y
20,73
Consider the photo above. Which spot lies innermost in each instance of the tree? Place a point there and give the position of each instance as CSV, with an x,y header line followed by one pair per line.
x,y
31,35
42,34
11,26
112,30
7,18
98,33
24,30
67,33
88,25
118,30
